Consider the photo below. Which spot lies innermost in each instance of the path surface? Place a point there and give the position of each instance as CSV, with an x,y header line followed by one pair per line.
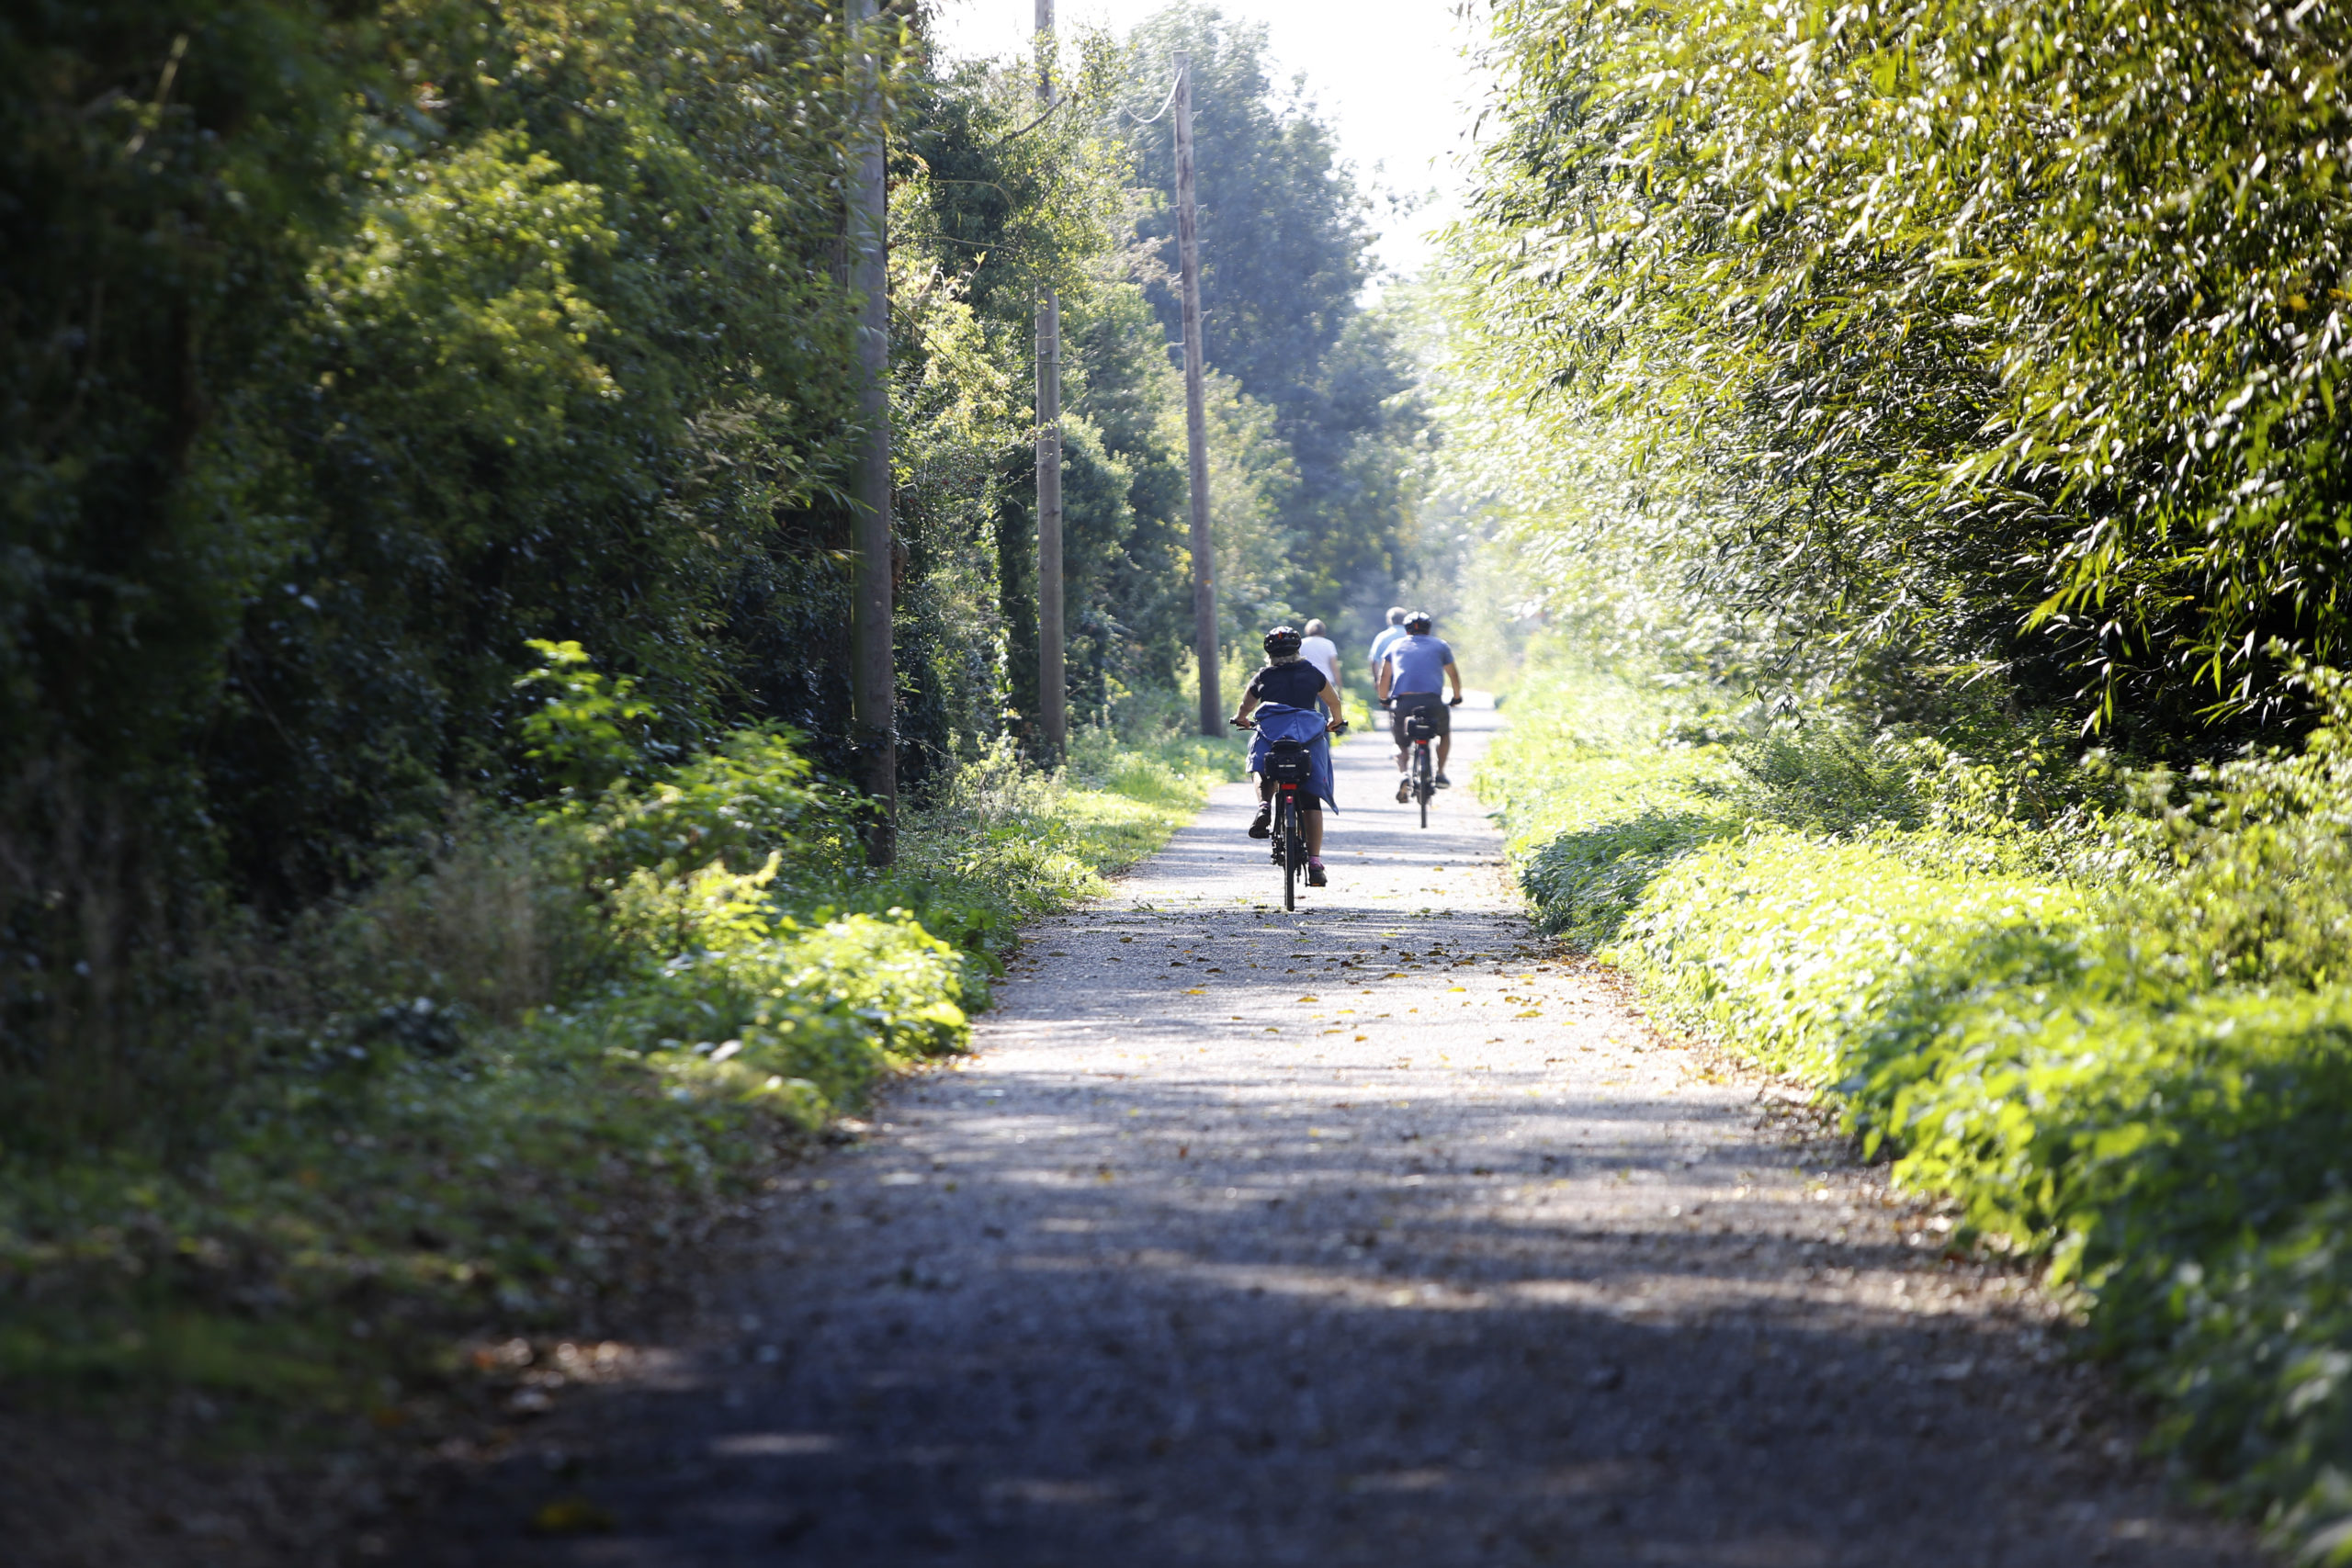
x,y
1369,1236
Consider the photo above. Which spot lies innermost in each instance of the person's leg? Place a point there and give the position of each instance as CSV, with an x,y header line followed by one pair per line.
x,y
1313,826
1444,748
1261,825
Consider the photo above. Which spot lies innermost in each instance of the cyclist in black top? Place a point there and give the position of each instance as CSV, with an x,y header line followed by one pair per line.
x,y
1293,682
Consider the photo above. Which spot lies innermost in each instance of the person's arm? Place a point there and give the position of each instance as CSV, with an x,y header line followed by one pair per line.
x,y
1248,703
1454,673
1385,677
1330,694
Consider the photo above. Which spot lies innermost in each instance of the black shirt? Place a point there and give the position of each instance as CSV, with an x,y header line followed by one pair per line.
x,y
1295,684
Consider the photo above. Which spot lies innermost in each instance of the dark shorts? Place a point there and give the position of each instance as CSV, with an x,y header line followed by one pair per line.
x,y
1406,703
1306,802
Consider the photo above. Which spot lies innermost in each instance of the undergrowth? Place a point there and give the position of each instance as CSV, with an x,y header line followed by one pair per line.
x,y
2109,1015
501,1092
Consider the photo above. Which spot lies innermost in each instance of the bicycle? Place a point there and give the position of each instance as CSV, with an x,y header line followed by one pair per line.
x,y
1420,765
1290,766
1420,729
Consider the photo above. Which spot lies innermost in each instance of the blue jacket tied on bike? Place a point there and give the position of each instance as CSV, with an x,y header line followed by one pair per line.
x,y
1279,721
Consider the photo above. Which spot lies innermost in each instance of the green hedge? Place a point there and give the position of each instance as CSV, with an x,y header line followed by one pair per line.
x,y
2141,1076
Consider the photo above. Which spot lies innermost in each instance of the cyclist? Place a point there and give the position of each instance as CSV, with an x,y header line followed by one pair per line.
x,y
1411,674
1389,635
1284,695
1319,649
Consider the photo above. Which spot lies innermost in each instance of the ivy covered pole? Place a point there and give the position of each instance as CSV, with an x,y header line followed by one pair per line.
x,y
1052,687
1197,440
874,684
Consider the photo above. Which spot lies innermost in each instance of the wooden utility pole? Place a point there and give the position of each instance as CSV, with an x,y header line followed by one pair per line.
x,y
1196,423
873,682
1052,686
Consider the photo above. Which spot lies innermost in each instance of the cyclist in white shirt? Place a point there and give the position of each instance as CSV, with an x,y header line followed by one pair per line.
x,y
1318,648
1390,635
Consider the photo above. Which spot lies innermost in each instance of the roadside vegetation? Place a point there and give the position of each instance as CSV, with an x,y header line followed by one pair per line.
x,y
500,1093
2106,1015
1919,431
426,432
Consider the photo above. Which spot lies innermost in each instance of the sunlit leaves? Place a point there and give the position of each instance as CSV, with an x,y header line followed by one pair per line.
x,y
1987,328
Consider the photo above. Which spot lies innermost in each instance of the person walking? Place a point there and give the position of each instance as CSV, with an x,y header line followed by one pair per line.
x,y
1318,648
1411,674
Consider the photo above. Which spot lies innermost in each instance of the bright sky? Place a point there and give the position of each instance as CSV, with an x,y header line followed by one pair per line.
x,y
1388,76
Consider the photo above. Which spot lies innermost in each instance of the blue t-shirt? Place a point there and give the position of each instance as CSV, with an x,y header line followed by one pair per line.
x,y
1420,663
1389,637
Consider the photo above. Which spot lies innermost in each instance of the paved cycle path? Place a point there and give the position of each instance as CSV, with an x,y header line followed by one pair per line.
x,y
1374,1234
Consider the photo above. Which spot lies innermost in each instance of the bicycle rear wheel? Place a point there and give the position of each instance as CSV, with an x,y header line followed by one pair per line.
x,y
1424,784
1288,831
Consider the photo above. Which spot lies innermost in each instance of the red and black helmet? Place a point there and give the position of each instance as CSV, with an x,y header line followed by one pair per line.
x,y
1283,643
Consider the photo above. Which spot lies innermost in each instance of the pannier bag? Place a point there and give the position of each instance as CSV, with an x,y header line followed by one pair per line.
x,y
1288,762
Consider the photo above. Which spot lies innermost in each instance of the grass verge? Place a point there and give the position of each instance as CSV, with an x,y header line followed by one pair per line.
x,y
2117,1035
504,1093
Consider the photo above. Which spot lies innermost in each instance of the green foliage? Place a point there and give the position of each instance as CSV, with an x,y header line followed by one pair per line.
x,y
518,1074
580,738
1999,341
1283,241
2119,1037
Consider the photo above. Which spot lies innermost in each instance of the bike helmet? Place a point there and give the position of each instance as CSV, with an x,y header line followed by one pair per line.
x,y
1417,622
1282,643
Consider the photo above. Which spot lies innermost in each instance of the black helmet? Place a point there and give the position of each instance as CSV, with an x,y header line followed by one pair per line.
x,y
1282,643
1417,622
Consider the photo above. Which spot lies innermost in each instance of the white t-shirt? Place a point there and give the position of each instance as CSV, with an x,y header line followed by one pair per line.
x,y
1324,654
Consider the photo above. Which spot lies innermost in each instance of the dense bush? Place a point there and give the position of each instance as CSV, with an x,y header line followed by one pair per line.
x,y
449,1123
2119,1038
1999,342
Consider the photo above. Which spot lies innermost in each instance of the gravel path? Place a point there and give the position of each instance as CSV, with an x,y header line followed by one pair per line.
x,y
1375,1234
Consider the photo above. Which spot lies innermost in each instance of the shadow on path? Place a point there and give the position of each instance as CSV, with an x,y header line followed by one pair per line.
x,y
1374,1235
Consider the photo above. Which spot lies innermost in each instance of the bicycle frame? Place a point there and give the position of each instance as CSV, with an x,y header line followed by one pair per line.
x,y
1290,769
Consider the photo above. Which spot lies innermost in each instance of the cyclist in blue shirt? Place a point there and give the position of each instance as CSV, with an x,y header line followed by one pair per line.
x,y
1410,679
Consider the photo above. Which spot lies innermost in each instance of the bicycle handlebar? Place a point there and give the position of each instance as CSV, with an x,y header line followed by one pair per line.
x,y
1339,728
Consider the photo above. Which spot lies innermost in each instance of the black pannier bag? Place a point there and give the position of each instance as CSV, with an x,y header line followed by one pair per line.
x,y
1420,724
1287,761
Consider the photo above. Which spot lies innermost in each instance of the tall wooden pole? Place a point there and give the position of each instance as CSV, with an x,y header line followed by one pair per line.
x,y
1052,685
874,686
1196,423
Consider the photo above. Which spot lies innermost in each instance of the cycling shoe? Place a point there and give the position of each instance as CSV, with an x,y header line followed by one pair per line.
x,y
1315,876
1444,782
1404,791
1263,826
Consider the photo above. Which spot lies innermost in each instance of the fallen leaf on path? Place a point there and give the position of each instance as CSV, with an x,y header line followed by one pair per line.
x,y
572,1516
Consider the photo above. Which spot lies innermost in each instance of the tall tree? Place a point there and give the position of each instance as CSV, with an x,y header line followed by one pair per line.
x,y
1284,265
